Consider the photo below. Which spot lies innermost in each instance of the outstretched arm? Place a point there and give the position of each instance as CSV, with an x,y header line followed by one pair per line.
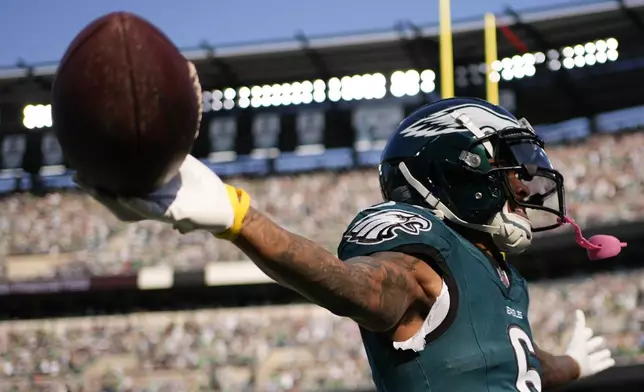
x,y
375,291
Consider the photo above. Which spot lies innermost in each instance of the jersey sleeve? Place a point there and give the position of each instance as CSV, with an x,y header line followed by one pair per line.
x,y
394,227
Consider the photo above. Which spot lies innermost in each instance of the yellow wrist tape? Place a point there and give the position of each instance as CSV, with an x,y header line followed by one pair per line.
x,y
240,201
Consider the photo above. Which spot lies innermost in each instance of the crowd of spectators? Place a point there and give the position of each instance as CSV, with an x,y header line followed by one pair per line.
x,y
287,348
267,349
277,348
602,175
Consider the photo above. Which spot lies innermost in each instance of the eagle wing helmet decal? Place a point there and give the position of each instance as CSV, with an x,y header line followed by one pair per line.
x,y
385,225
444,121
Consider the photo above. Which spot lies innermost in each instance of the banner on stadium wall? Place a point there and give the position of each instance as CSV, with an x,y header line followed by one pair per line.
x,y
52,154
296,139
13,151
287,139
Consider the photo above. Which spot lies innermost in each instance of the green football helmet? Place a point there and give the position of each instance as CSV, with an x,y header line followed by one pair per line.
x,y
460,156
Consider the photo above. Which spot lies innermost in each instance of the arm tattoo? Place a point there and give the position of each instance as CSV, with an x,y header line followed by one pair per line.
x,y
557,369
374,291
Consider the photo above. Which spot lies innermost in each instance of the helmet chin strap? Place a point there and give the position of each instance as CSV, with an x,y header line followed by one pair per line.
x,y
512,232
517,231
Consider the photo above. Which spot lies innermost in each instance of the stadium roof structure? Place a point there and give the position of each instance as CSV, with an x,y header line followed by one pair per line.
x,y
416,47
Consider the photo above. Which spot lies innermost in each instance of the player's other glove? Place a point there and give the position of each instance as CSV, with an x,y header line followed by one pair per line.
x,y
589,351
195,199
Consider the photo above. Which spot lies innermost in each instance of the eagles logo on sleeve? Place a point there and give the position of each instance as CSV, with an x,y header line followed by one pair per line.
x,y
385,225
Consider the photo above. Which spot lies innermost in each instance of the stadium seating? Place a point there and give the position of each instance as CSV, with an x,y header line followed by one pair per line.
x,y
603,184
235,349
274,348
301,346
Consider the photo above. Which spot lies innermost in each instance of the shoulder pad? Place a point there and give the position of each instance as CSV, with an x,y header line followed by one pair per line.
x,y
391,226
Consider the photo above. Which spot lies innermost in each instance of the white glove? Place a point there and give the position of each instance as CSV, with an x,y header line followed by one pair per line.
x,y
590,352
194,199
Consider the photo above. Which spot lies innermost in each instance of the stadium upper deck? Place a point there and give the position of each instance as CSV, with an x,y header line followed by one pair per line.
x,y
546,32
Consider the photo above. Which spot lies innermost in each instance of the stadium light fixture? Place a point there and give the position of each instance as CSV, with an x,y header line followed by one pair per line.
x,y
519,66
244,92
397,84
530,70
411,82
427,81
569,63
460,77
601,45
296,93
275,95
601,57
539,58
37,116
319,91
612,55
579,50
612,44
580,61
580,55
335,89
374,86
230,93
554,65
286,97
346,88
412,86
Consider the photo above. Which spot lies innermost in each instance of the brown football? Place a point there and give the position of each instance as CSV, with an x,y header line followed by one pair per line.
x,y
125,105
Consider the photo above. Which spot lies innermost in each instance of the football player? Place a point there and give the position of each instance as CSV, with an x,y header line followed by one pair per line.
x,y
424,273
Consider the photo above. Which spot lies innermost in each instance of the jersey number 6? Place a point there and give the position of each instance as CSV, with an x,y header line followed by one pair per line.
x,y
528,379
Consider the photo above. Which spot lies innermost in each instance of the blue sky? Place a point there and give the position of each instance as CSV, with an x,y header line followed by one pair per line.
x,y
39,30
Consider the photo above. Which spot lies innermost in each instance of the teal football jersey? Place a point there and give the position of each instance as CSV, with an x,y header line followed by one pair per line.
x,y
480,339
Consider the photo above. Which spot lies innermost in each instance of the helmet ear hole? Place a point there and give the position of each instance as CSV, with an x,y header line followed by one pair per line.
x,y
393,186
404,194
469,194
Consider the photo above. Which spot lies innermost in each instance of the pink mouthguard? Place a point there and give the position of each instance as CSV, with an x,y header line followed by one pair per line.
x,y
599,246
